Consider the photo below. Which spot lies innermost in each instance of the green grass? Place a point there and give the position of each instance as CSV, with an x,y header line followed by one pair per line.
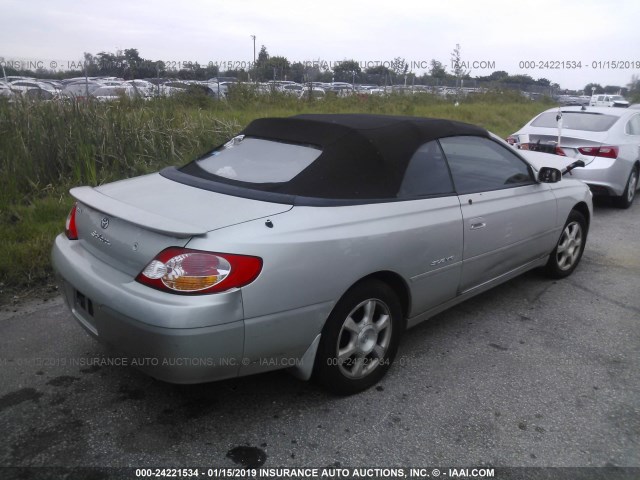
x,y
26,236
47,148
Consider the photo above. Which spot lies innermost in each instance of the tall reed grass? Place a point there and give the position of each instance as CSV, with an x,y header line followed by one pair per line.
x,y
58,144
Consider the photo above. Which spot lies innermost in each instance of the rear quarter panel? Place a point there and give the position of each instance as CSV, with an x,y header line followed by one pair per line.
x,y
314,254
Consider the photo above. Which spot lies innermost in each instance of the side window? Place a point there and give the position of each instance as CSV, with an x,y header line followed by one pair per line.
x,y
427,173
633,126
479,164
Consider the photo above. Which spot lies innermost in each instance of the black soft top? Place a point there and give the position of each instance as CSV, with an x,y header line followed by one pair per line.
x,y
364,157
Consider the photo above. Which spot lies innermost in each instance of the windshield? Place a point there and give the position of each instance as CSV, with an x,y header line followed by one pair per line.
x,y
590,122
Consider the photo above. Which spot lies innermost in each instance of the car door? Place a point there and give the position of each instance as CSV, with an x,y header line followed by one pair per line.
x,y
434,249
508,218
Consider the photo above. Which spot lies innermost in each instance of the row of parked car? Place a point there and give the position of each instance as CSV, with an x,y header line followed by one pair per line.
x,y
103,88
320,89
111,88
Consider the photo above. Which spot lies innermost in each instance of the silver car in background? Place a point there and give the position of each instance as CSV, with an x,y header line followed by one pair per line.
x,y
606,139
310,244
113,93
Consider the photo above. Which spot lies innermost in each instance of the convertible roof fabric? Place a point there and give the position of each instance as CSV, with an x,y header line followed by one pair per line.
x,y
363,156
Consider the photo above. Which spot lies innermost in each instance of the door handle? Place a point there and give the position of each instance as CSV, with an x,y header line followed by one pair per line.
x,y
476,226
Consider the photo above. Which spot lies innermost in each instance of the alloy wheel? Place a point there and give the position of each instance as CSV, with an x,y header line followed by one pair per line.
x,y
569,246
631,187
364,339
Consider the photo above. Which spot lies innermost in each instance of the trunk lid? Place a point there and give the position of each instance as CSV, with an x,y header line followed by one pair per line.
x,y
540,159
569,143
127,223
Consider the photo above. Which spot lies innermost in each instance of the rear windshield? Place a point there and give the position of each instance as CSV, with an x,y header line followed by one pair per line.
x,y
590,122
256,160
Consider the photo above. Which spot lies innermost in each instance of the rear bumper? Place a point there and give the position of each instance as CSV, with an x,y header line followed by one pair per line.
x,y
180,338
604,176
175,338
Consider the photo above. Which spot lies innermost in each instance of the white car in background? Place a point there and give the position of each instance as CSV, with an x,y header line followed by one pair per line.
x,y
608,101
111,93
32,88
80,89
606,139
144,88
313,92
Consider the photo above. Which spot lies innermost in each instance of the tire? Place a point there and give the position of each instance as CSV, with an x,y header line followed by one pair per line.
x,y
626,199
360,339
568,251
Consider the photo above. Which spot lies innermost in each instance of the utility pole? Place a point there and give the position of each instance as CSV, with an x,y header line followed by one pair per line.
x,y
4,74
254,57
86,81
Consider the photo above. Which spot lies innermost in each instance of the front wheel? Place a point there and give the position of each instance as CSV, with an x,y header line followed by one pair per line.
x,y
565,257
626,199
360,338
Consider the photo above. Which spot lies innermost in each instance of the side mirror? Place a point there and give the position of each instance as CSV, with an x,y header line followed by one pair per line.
x,y
549,175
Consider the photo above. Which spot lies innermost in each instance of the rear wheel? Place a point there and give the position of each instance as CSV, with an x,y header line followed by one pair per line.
x,y
360,338
565,257
626,199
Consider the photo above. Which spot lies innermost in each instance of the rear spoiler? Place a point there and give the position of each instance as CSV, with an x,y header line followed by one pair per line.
x,y
150,221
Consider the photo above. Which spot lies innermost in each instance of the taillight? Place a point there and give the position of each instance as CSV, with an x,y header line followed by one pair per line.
x,y
603,151
511,140
70,229
186,271
560,152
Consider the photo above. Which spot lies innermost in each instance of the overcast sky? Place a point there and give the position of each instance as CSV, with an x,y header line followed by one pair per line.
x,y
503,34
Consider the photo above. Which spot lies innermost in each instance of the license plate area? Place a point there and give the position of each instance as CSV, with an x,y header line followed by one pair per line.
x,y
82,310
84,303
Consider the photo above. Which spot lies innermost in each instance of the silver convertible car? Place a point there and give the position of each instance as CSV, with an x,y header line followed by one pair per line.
x,y
311,243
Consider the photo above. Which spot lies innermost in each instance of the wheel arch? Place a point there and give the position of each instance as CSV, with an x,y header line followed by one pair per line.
x,y
584,210
396,283
326,346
